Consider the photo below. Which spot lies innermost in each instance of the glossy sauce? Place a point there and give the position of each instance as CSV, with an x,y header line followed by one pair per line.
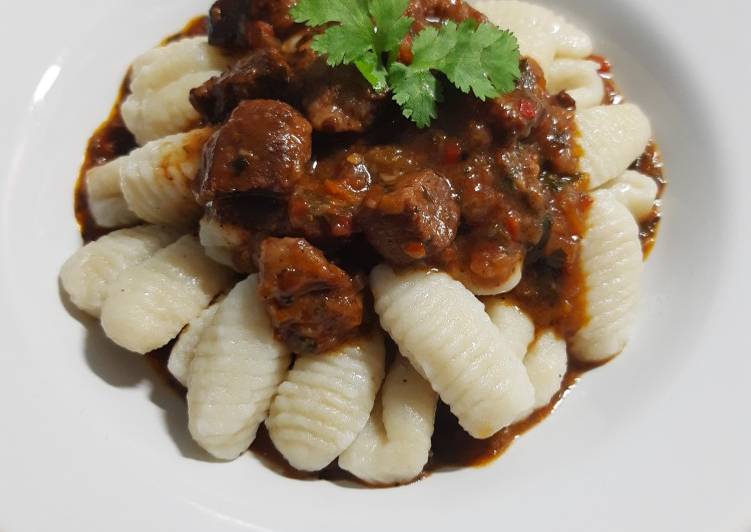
x,y
552,302
651,164
110,141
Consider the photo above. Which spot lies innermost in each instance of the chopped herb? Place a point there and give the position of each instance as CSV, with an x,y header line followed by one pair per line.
x,y
477,58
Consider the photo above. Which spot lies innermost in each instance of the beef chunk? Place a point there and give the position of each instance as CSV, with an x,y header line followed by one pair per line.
x,y
325,203
556,138
338,100
313,304
520,163
414,220
481,258
276,13
263,148
227,21
261,74
424,12
233,24
261,35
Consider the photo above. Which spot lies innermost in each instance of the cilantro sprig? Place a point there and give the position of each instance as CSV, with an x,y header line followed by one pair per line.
x,y
477,58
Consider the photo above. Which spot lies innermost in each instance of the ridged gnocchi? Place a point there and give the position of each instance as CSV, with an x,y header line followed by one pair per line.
x,y
325,402
165,111
546,363
611,138
184,350
542,34
445,332
151,302
611,261
545,357
220,239
636,191
237,368
162,65
105,196
157,179
580,79
394,446
161,80
517,329
504,287
88,274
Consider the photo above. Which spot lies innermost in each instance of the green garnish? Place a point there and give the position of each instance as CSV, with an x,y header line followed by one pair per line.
x,y
480,58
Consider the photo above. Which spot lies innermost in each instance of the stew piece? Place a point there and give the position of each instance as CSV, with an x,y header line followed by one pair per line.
x,y
227,20
263,73
264,148
234,24
312,303
425,12
338,100
412,219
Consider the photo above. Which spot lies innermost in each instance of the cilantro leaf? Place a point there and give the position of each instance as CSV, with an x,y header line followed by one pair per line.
x,y
320,12
416,91
346,42
341,44
501,62
430,47
476,64
373,71
477,58
391,26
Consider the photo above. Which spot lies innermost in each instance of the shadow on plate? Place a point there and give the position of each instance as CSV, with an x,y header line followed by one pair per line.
x,y
122,369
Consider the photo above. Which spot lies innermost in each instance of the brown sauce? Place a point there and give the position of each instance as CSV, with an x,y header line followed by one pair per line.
x,y
110,141
613,94
555,301
651,164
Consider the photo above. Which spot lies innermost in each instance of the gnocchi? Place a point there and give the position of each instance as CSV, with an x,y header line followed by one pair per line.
x,y
237,368
88,274
542,34
157,179
447,335
611,260
611,138
394,446
164,111
325,402
184,350
505,286
162,65
105,196
580,78
517,329
636,191
546,363
150,303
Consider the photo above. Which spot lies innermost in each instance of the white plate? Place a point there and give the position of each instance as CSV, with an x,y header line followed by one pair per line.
x,y
657,440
